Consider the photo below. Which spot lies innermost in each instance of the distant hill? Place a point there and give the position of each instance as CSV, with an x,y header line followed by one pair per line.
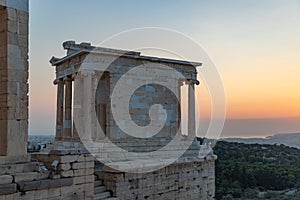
x,y
287,139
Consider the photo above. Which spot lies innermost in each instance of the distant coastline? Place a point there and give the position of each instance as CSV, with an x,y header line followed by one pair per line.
x,y
287,139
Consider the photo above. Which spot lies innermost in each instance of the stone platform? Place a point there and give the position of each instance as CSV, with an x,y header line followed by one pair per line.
x,y
191,176
184,179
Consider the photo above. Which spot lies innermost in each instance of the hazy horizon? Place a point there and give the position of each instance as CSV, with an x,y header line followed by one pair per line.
x,y
241,128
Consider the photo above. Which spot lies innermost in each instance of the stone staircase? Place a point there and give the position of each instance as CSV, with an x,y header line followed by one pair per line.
x,y
100,192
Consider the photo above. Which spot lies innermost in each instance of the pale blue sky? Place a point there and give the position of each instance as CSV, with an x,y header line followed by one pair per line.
x,y
247,39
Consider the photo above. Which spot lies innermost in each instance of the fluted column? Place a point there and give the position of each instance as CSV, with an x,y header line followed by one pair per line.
x,y
191,109
60,110
67,133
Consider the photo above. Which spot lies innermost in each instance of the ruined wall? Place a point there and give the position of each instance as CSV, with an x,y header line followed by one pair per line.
x,y
181,181
25,180
79,167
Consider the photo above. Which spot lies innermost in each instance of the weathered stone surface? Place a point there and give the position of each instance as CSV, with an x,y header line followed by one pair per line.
x,y
83,179
83,172
84,158
64,167
74,195
16,168
181,180
8,189
62,159
83,165
66,174
66,158
44,184
6,179
68,148
31,176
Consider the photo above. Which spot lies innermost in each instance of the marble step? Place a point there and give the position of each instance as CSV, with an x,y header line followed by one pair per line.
x,y
98,183
99,189
103,195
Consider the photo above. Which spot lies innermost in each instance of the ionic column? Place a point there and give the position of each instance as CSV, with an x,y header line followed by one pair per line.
x,y
93,108
191,110
60,110
87,105
76,107
180,84
67,133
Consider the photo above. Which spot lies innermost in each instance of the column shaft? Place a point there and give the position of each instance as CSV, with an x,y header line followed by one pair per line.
x,y
191,110
87,104
77,107
180,121
60,110
67,133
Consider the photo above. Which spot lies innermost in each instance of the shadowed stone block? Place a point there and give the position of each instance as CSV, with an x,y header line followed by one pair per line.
x,y
6,179
67,174
44,184
31,176
83,165
17,168
8,189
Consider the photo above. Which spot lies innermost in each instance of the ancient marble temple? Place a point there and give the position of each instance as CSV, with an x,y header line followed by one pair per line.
x,y
88,75
88,79
99,150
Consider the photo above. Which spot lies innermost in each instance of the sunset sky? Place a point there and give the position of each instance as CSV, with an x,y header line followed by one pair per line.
x,y
255,46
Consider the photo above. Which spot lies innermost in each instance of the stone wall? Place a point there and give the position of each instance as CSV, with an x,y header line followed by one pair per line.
x,y
13,78
181,181
146,96
79,167
72,178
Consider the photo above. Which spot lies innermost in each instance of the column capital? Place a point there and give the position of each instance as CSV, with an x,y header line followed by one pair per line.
x,y
58,81
192,82
67,79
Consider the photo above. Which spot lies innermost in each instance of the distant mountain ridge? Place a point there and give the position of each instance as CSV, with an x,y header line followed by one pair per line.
x,y
287,139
